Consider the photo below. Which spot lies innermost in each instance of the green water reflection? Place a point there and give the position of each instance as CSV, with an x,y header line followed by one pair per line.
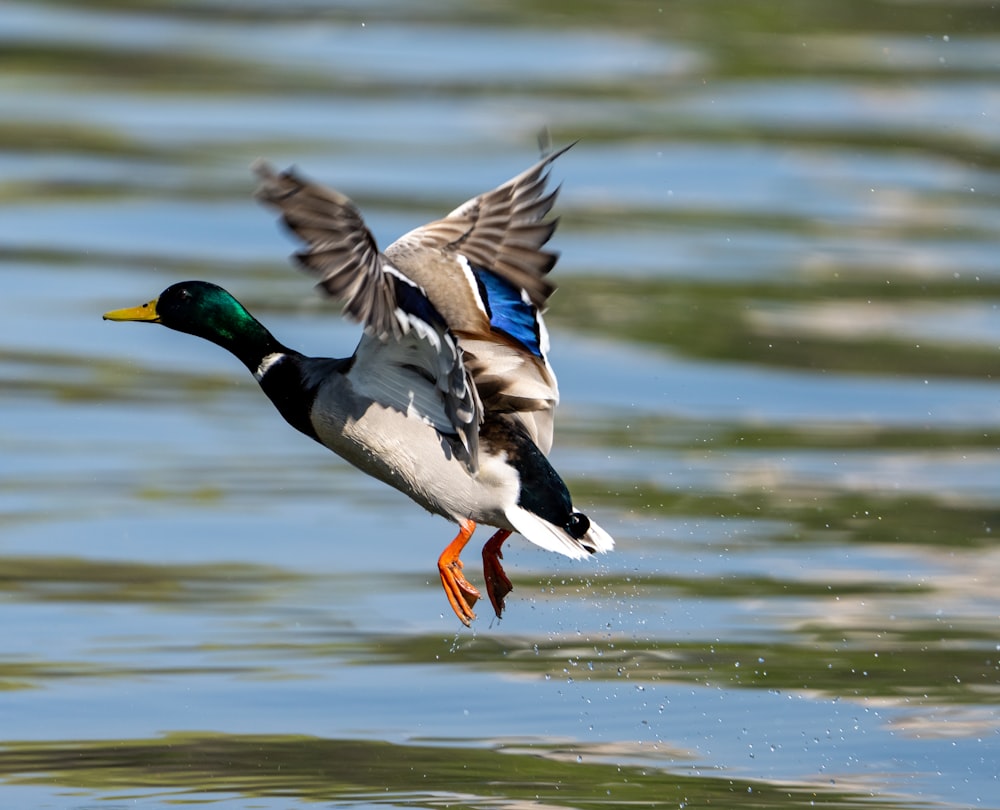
x,y
317,770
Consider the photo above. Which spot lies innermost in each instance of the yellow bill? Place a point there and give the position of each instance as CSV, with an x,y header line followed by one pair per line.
x,y
143,312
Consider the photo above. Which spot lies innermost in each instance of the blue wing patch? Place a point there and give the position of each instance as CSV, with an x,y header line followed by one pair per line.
x,y
509,312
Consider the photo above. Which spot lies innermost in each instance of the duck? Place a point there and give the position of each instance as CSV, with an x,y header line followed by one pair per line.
x,y
449,396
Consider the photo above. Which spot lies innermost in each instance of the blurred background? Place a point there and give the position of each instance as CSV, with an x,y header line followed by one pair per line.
x,y
776,335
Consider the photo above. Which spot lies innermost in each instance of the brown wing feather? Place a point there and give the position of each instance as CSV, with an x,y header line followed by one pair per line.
x,y
340,250
501,230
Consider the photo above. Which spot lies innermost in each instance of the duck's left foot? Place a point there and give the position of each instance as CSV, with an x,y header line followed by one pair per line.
x,y
497,583
461,594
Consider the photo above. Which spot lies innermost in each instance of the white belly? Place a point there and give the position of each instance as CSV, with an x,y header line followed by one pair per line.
x,y
416,459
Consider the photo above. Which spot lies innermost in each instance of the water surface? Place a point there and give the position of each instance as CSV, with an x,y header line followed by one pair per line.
x,y
775,333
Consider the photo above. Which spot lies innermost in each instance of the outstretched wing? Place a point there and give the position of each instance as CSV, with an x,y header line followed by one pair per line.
x,y
395,310
502,231
485,267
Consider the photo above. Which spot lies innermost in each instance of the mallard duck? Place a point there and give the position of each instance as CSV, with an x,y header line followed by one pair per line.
x,y
449,396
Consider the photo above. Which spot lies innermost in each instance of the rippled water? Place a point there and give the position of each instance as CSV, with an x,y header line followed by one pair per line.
x,y
776,335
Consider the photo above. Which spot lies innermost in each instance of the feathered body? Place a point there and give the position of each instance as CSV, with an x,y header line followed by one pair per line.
x,y
449,396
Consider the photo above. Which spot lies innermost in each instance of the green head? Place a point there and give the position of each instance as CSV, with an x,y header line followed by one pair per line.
x,y
208,311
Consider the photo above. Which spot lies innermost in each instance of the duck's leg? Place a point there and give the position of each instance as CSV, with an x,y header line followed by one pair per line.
x,y
497,583
460,593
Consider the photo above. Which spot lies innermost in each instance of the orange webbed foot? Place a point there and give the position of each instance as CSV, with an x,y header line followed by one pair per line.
x,y
461,594
498,585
